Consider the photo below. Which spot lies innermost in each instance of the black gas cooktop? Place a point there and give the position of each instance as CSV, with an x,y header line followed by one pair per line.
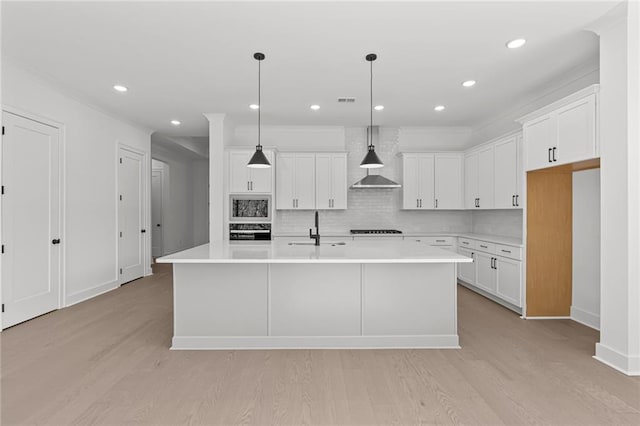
x,y
375,231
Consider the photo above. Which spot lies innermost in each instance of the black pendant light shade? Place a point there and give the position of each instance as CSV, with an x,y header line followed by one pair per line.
x,y
371,160
259,160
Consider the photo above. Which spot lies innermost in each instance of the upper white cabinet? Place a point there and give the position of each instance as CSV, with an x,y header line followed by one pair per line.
x,y
418,181
331,181
479,179
296,181
508,173
564,132
432,181
243,179
449,170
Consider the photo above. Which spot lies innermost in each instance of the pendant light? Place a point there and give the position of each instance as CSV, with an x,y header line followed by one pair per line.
x,y
371,160
259,160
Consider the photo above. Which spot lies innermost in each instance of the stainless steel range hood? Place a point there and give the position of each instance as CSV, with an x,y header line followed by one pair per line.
x,y
374,181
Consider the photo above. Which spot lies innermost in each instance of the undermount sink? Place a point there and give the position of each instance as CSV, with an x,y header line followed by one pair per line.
x,y
312,243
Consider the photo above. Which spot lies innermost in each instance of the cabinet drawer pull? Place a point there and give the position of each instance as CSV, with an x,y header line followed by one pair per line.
x,y
440,241
506,251
465,242
483,246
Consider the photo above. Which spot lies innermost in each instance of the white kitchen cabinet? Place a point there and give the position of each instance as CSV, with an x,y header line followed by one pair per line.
x,y
449,170
564,132
295,181
331,181
508,280
507,173
243,179
485,274
418,173
479,179
471,181
467,271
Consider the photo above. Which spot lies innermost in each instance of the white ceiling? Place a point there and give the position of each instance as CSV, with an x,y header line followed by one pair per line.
x,y
180,59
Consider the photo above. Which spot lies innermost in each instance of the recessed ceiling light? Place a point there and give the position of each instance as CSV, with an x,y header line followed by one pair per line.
x,y
175,122
514,44
378,107
469,83
315,107
254,106
120,88
439,108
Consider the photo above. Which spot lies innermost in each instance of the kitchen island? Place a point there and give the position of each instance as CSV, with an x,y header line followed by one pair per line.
x,y
395,294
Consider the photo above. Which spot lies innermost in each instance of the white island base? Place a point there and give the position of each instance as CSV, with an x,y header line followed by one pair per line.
x,y
330,301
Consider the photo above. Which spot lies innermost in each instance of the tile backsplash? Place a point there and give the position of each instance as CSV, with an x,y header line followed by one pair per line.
x,y
374,208
507,223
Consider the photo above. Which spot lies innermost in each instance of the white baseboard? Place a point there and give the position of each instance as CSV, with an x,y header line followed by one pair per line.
x,y
547,318
629,365
323,342
83,295
585,317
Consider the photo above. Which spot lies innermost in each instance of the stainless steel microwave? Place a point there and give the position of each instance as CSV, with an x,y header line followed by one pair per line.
x,y
250,208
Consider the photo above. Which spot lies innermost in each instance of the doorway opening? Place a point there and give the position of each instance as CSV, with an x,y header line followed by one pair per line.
x,y
159,201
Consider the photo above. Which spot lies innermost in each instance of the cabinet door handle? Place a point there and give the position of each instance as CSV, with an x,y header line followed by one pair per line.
x,y
495,263
478,202
549,155
293,202
55,241
417,203
436,203
252,185
248,186
517,201
513,200
554,154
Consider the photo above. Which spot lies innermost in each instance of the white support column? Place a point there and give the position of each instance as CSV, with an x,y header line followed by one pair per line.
x,y
619,345
217,138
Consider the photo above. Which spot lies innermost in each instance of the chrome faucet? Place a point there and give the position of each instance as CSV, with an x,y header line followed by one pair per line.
x,y
316,236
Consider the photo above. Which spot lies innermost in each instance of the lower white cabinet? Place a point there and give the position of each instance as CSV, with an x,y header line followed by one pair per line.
x,y
485,274
497,275
467,271
509,280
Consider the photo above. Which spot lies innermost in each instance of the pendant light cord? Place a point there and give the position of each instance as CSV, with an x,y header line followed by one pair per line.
x,y
259,103
370,132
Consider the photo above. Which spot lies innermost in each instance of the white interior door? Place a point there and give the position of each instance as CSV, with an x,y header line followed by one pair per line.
x,y
30,219
131,215
157,246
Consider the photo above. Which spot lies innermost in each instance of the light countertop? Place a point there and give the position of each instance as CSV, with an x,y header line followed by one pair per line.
x,y
392,251
497,239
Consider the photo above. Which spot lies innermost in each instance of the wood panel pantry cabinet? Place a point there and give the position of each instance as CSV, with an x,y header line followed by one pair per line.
x,y
432,181
563,132
243,179
311,181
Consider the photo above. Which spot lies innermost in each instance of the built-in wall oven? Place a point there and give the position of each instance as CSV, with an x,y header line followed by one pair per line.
x,y
249,231
250,208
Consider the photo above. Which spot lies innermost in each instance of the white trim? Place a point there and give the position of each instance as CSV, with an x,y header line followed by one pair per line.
x,y
325,342
629,365
576,96
547,318
585,317
89,293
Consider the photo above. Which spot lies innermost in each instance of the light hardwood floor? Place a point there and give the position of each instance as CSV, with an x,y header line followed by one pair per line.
x,y
106,361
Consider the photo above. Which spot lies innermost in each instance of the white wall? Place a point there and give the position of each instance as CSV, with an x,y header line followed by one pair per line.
x,y
200,202
185,211
585,305
90,142
619,344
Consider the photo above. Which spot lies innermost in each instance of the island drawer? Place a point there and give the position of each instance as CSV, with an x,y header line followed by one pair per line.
x,y
486,247
467,243
433,241
509,251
